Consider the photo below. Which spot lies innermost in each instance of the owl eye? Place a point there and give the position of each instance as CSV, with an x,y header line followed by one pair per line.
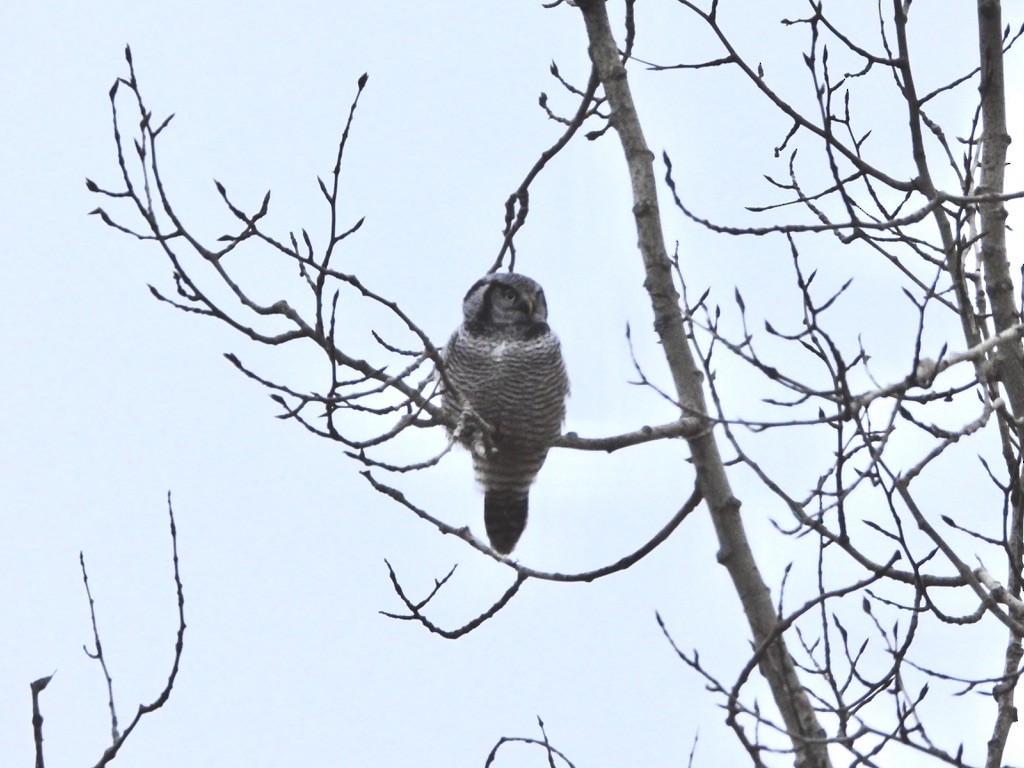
x,y
510,296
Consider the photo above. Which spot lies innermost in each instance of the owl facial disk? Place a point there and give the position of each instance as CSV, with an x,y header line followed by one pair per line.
x,y
505,302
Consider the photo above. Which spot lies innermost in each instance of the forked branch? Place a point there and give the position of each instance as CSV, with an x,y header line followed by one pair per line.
x,y
118,738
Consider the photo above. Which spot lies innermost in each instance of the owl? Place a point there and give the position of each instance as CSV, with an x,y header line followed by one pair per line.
x,y
506,364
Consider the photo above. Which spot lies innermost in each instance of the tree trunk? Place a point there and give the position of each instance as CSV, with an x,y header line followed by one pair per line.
x,y
999,288
734,549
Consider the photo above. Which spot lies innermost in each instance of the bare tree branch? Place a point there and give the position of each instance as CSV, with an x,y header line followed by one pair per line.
x,y
37,687
98,653
179,646
543,743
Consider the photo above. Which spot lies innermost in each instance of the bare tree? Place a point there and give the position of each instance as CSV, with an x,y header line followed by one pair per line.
x,y
845,664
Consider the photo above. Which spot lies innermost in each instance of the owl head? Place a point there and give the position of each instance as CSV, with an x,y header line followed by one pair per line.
x,y
506,304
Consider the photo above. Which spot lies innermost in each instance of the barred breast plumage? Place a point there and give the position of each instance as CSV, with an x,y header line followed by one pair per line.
x,y
506,364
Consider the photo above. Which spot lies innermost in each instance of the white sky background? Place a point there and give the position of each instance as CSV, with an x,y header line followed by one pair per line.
x,y
111,399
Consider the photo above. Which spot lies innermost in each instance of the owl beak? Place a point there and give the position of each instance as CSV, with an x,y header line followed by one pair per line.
x,y
530,304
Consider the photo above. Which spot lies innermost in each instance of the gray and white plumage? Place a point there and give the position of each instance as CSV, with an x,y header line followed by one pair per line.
x,y
506,364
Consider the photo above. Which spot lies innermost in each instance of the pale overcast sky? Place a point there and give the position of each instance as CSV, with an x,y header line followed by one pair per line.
x,y
111,399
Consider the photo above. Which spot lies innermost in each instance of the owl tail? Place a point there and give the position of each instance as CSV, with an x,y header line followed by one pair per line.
x,y
505,518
